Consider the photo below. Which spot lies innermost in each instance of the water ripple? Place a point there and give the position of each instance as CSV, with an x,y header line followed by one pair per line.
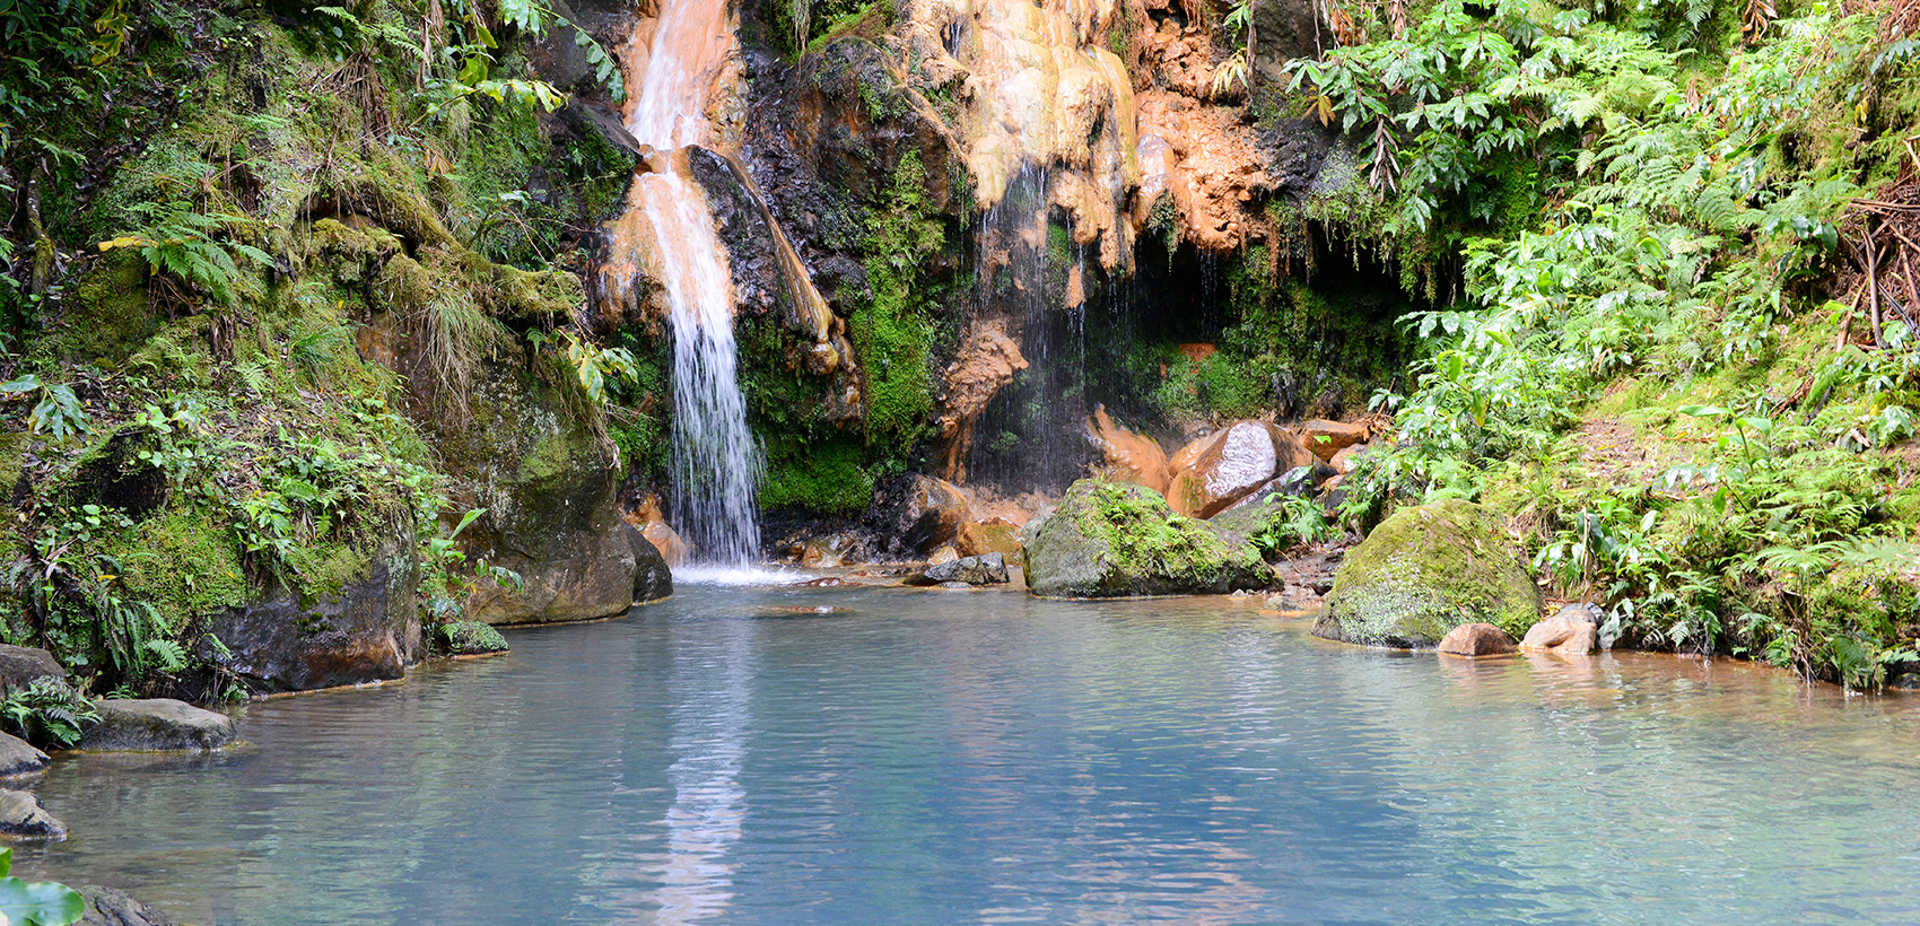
x,y
990,758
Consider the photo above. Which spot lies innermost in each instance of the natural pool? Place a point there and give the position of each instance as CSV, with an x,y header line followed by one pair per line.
x,y
982,756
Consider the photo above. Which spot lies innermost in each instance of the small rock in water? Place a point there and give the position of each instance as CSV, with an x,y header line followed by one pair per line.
x,y
156,725
1478,639
18,758
799,610
22,817
824,582
1573,630
108,907
985,569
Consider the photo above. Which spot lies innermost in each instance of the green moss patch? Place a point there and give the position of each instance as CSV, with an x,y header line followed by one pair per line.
x,y
1426,570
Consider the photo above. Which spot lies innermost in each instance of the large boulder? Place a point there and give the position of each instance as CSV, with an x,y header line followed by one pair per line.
x,y
20,665
366,629
533,456
509,422
22,818
1213,472
1125,455
1425,571
18,758
155,725
925,514
1107,540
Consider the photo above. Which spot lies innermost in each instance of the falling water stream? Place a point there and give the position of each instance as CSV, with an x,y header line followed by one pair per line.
x,y
716,463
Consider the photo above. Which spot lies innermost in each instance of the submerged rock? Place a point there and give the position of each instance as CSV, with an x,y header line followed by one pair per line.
x,y
1573,630
1108,540
156,725
108,907
18,758
1476,640
20,665
22,818
988,569
1423,572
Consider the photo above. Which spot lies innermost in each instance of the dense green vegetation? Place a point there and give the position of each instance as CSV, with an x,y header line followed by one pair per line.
x,y
217,198
1647,368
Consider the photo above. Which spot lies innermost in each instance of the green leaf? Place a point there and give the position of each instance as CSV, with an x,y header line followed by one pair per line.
x,y
40,903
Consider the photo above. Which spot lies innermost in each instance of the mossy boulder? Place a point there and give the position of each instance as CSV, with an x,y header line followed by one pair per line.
x,y
1112,540
360,625
472,638
533,451
1425,571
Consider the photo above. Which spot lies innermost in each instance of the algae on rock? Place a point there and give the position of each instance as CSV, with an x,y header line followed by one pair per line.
x,y
1110,540
1426,570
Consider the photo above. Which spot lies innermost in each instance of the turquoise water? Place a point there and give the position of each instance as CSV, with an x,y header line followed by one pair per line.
x,y
730,756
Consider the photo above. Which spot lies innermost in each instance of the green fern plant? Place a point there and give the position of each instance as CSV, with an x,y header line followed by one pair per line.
x,y
48,710
194,249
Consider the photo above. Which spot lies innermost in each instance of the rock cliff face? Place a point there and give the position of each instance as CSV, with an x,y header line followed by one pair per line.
x,y
1050,140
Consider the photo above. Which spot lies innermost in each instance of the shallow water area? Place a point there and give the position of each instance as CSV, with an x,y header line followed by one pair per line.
x,y
989,757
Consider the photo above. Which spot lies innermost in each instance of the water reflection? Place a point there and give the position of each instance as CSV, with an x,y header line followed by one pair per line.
x,y
987,757
712,695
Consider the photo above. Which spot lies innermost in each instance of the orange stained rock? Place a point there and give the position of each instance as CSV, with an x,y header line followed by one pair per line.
x,y
987,361
1128,457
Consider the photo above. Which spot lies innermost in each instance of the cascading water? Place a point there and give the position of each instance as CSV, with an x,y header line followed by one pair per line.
x,y
716,462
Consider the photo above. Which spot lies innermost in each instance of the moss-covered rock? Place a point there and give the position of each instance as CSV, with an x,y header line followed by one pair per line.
x,y
472,638
1425,571
1111,540
365,627
532,450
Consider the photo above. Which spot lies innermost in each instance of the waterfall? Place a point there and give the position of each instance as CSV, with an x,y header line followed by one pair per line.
x,y
715,461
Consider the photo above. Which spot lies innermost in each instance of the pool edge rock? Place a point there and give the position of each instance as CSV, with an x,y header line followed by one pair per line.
x,y
1117,540
109,907
1426,570
22,819
156,725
